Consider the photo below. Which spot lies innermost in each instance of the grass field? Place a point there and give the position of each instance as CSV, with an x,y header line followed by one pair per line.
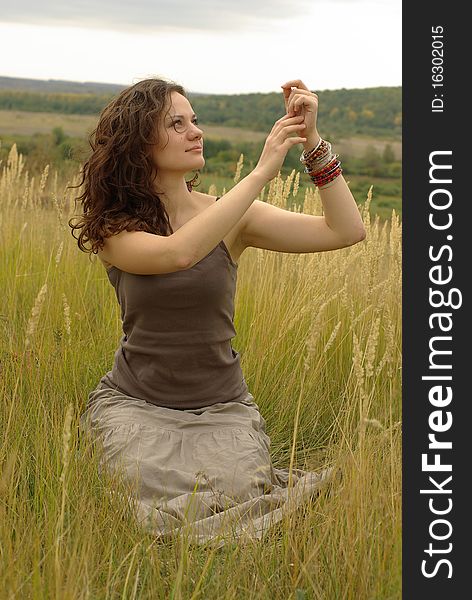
x,y
320,342
14,122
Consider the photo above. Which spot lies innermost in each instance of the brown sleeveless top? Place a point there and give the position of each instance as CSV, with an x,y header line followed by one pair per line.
x,y
176,349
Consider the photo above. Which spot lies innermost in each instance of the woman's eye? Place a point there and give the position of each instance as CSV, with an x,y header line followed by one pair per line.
x,y
178,124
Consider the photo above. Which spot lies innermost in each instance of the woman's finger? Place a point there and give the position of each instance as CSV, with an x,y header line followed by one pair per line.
x,y
296,95
298,92
286,118
286,92
289,90
291,141
291,128
295,83
299,100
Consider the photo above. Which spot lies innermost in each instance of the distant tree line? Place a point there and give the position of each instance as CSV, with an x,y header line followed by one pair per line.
x,y
372,111
342,113
75,104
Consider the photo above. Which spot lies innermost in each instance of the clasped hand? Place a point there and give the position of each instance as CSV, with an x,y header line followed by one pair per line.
x,y
300,101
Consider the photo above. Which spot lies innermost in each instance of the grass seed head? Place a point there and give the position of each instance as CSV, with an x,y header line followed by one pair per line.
x,y
239,168
35,314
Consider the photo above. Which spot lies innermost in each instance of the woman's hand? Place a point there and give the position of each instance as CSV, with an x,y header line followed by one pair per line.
x,y
278,143
300,101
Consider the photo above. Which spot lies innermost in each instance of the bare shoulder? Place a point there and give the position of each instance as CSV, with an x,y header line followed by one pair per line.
x,y
105,263
205,199
100,254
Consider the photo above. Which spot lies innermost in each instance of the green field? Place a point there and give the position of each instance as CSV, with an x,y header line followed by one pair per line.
x,y
320,339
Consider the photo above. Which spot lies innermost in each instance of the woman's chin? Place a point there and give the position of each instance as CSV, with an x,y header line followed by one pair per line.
x,y
200,162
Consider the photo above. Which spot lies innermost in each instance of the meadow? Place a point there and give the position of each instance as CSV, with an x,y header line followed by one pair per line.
x,y
320,341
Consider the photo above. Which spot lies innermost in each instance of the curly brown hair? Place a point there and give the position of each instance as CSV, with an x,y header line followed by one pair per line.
x,y
118,175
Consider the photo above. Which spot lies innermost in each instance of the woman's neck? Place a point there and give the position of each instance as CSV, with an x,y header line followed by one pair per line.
x,y
176,197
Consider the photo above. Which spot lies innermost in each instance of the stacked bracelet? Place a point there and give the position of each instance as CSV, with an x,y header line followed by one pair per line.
x,y
320,149
328,174
321,165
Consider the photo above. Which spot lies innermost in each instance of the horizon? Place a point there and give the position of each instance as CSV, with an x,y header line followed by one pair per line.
x,y
124,85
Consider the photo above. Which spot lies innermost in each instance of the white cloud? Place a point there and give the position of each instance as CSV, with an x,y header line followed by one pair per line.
x,y
152,15
333,44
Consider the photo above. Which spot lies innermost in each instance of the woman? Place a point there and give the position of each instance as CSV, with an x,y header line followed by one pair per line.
x,y
175,412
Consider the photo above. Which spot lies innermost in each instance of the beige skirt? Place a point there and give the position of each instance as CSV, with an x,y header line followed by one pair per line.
x,y
207,471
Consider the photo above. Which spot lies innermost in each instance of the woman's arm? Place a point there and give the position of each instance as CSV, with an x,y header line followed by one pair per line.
x,y
339,206
272,228
340,210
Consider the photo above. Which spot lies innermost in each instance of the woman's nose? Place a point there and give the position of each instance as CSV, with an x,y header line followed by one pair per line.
x,y
195,130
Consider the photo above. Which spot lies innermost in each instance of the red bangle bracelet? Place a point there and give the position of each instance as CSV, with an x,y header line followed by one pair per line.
x,y
327,173
320,182
328,167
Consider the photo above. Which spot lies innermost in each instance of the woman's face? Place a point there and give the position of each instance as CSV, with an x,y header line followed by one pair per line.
x,y
178,134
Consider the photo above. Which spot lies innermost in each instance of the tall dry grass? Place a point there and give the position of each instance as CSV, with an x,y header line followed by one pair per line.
x,y
320,340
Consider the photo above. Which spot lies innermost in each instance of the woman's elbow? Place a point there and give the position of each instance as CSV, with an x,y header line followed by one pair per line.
x,y
357,236
362,233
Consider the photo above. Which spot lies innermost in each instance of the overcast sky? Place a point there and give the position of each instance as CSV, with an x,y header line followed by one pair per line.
x,y
213,46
